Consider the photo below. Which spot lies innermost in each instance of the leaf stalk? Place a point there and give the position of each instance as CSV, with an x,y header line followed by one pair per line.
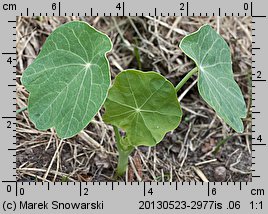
x,y
184,80
123,161
124,152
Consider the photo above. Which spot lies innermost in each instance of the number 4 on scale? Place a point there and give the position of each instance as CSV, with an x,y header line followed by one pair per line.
x,y
118,6
9,60
150,191
259,138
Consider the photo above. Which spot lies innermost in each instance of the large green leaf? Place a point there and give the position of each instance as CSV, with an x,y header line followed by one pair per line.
x,y
69,80
216,83
144,104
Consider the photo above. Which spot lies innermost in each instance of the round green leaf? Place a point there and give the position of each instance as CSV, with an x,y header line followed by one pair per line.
x,y
144,104
216,83
69,80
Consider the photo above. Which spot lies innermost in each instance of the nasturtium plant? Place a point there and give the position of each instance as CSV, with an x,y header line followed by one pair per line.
x,y
69,80
145,105
216,83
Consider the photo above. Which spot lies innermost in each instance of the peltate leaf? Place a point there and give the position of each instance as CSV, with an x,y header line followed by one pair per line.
x,y
69,80
216,83
144,104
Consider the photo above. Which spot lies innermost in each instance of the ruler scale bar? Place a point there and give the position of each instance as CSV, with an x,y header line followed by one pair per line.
x,y
209,190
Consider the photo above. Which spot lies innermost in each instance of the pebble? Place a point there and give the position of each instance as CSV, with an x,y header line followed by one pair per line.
x,y
220,173
175,148
28,151
174,138
206,148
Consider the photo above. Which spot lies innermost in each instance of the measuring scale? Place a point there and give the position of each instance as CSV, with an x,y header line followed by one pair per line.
x,y
136,197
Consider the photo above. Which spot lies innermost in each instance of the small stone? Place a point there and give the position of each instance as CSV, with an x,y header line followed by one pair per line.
x,y
206,148
175,148
220,173
101,160
174,138
28,151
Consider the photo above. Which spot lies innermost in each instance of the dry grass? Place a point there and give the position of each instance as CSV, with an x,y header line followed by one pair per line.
x,y
186,154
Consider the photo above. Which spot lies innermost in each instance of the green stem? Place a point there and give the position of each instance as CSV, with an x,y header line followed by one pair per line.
x,y
21,110
184,80
122,161
117,135
123,154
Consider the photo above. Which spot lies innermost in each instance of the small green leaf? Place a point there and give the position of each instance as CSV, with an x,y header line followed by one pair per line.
x,y
145,105
216,83
69,80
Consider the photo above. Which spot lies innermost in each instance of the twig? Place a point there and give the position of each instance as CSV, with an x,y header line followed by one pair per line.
x,y
186,90
92,142
179,31
200,174
205,162
186,144
134,169
52,160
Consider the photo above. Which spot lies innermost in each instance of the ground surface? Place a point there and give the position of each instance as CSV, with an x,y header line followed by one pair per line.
x,y
202,148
